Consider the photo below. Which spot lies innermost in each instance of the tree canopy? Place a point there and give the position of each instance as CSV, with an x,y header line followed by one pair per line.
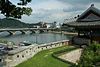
x,y
8,9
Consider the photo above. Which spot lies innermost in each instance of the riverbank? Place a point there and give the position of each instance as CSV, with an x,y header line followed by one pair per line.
x,y
62,32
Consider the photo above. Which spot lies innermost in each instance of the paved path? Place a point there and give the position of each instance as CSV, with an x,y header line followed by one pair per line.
x,y
72,56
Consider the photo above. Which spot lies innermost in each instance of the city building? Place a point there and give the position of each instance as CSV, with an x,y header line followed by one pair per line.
x,y
38,25
51,25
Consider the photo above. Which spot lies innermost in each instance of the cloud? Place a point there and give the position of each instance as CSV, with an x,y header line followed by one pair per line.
x,y
58,13
51,5
48,10
79,1
80,4
56,10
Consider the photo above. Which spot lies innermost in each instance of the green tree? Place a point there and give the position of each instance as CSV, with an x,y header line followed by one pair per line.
x,y
10,10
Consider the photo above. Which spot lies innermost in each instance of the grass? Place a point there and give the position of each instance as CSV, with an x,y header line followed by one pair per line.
x,y
45,59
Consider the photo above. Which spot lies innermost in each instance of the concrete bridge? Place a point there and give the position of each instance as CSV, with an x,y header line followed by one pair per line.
x,y
12,31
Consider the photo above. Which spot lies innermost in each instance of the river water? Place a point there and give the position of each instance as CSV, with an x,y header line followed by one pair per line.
x,y
34,38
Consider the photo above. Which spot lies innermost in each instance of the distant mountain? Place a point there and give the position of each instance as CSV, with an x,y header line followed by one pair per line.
x,y
12,23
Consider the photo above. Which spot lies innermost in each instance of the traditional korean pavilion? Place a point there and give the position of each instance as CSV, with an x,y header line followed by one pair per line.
x,y
88,24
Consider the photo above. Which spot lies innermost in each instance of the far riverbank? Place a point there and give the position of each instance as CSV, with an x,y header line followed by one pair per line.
x,y
67,33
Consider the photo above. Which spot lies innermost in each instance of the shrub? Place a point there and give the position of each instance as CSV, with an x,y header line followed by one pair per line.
x,y
90,56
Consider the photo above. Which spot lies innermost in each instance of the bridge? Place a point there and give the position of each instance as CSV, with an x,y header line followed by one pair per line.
x,y
12,31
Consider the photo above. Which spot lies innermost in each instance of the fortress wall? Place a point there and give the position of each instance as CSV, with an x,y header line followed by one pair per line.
x,y
29,52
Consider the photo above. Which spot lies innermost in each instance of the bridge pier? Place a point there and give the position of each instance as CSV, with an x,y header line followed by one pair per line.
x,y
12,32
41,31
37,31
45,31
32,31
23,32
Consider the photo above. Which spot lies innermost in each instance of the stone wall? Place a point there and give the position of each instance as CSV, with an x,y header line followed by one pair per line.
x,y
17,58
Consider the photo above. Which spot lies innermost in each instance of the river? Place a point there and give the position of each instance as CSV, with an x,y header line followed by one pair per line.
x,y
34,38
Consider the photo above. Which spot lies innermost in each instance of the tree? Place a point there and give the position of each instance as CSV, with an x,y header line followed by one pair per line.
x,y
10,10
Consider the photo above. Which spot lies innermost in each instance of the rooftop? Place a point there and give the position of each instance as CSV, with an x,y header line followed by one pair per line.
x,y
83,24
89,18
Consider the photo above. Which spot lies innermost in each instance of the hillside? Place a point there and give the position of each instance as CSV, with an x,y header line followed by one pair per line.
x,y
12,23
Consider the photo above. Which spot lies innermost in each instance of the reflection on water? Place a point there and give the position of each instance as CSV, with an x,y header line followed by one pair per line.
x,y
33,38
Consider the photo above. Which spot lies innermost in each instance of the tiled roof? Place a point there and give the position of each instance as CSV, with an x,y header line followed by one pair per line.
x,y
91,8
80,24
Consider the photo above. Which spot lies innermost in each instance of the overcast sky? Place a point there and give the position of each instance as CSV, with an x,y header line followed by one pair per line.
x,y
56,10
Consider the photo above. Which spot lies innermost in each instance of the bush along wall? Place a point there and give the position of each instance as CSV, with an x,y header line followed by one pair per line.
x,y
90,56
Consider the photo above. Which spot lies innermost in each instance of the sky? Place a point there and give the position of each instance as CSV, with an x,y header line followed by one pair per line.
x,y
55,10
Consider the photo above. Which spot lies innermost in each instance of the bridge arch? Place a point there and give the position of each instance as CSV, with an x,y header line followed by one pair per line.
x,y
11,32
41,31
23,32
32,31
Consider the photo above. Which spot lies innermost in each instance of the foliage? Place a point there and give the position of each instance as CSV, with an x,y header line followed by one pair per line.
x,y
13,23
90,56
65,27
10,10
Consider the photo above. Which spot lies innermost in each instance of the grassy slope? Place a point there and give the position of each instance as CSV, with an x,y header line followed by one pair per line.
x,y
45,59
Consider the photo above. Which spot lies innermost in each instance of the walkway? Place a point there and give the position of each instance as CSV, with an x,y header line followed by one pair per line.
x,y
72,56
